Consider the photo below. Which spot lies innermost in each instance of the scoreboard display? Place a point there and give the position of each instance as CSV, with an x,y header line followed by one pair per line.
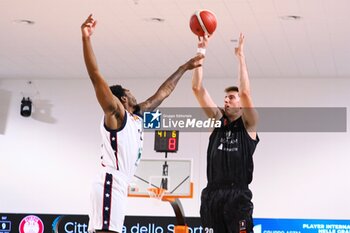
x,y
166,140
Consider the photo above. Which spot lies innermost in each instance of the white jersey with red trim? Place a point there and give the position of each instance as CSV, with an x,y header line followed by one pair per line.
x,y
122,148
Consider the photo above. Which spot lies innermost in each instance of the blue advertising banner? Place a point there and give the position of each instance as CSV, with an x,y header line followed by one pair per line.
x,y
266,225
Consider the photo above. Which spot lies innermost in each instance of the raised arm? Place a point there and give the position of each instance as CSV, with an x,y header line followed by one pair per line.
x,y
201,93
112,107
169,85
249,114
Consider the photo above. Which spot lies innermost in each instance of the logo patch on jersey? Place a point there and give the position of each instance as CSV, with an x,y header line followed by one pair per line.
x,y
242,226
228,142
31,224
152,120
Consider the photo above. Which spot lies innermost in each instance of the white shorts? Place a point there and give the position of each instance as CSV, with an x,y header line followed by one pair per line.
x,y
108,200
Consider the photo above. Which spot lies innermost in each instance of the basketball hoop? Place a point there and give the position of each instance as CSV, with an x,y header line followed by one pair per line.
x,y
156,193
165,180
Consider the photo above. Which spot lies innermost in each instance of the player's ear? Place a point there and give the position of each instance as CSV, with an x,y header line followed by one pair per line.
x,y
123,99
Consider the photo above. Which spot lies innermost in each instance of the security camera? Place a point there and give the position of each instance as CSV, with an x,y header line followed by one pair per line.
x,y
26,107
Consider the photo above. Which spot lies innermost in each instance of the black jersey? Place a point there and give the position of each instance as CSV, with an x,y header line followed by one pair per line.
x,y
230,154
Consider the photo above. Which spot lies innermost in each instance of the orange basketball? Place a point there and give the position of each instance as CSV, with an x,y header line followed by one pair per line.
x,y
203,22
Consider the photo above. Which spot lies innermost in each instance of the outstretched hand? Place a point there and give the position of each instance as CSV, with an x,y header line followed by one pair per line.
x,y
239,49
88,27
194,62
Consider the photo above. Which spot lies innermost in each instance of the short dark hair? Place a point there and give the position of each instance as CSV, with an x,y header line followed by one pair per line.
x,y
231,88
118,91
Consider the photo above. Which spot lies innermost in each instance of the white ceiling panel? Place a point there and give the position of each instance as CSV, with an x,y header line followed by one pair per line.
x,y
150,38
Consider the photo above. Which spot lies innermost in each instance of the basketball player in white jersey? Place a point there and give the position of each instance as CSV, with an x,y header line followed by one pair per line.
x,y
122,133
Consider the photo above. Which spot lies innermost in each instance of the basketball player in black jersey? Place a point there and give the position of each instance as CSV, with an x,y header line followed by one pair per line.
x,y
226,205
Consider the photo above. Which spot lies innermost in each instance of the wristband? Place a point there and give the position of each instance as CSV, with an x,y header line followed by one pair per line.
x,y
201,50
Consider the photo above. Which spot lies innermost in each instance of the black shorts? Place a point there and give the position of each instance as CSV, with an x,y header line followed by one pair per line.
x,y
226,209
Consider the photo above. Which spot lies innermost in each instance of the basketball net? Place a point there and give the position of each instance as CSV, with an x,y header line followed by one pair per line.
x,y
156,193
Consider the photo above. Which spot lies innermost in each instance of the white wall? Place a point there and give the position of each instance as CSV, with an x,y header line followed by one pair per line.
x,y
48,161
